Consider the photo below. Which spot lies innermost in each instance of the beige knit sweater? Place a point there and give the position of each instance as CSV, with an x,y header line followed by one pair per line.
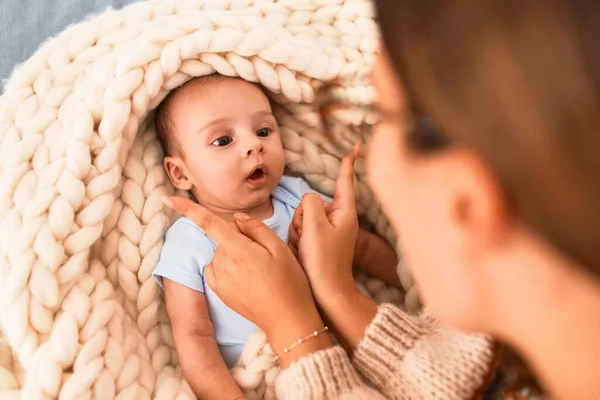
x,y
400,357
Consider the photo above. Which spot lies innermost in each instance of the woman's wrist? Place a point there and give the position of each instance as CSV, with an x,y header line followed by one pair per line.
x,y
336,291
349,312
293,328
330,296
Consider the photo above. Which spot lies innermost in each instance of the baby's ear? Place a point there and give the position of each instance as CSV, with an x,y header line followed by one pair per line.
x,y
177,172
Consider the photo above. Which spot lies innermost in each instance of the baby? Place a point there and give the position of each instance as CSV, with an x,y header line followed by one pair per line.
x,y
222,144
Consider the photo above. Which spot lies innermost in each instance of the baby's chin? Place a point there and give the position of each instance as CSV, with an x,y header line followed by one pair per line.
x,y
255,197
239,200
243,196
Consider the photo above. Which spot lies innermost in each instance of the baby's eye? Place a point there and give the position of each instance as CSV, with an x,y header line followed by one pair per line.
x,y
264,132
222,141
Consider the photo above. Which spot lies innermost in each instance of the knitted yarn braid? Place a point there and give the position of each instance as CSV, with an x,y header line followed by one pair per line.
x,y
81,177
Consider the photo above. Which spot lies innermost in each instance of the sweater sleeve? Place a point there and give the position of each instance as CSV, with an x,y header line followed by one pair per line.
x,y
325,375
412,357
400,357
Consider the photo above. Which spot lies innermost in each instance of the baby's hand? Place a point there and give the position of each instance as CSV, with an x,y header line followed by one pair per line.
x,y
375,256
372,253
388,259
295,230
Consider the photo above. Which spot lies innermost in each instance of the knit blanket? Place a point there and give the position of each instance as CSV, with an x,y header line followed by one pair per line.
x,y
81,178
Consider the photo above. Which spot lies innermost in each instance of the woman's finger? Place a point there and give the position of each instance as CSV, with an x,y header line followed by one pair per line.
x,y
209,274
344,185
258,232
215,268
293,236
213,226
294,248
297,218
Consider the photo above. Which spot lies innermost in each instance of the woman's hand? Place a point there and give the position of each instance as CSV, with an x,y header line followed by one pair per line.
x,y
325,234
326,241
255,273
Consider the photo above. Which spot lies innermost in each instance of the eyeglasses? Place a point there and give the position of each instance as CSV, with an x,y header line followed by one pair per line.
x,y
348,113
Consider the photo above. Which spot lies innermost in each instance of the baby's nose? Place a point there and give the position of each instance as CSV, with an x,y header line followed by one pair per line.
x,y
255,146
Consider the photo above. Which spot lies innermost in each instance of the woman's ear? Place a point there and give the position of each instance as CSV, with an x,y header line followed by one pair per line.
x,y
178,173
478,213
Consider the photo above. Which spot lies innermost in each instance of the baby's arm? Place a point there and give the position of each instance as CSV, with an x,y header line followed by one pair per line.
x,y
375,256
193,332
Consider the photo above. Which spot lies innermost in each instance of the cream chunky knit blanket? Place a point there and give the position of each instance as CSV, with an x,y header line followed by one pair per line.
x,y
81,177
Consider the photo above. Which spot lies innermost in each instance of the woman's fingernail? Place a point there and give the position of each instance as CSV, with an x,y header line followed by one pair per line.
x,y
241,217
168,202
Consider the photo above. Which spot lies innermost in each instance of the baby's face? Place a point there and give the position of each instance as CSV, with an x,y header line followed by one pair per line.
x,y
232,152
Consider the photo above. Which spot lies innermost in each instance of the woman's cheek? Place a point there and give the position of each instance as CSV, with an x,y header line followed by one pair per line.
x,y
384,165
383,177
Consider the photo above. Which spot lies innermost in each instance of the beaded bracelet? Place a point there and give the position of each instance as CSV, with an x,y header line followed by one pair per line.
x,y
300,341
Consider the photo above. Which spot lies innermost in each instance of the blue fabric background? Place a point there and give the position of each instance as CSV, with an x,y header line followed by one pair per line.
x,y
25,24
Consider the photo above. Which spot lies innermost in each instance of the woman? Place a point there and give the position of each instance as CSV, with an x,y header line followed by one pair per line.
x,y
497,210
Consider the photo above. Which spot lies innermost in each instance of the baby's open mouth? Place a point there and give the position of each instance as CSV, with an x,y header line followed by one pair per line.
x,y
258,176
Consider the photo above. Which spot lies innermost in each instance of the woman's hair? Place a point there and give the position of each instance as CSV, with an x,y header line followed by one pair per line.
x,y
519,81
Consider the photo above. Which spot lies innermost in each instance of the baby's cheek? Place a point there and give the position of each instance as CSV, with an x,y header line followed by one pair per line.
x,y
212,175
279,156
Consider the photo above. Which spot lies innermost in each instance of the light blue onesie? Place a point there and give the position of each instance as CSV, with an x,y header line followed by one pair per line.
x,y
187,250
